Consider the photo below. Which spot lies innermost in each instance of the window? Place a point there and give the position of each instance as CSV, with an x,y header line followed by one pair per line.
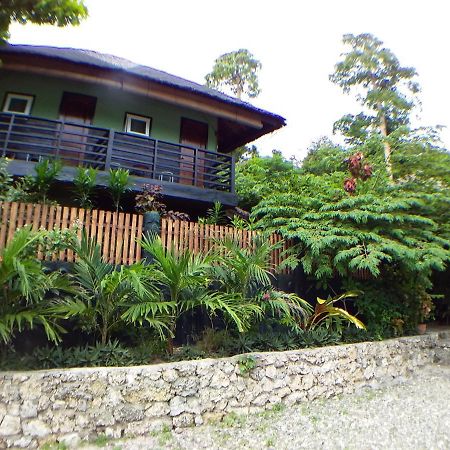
x,y
138,124
18,103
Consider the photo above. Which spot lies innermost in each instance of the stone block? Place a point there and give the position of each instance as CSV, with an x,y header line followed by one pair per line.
x,y
10,425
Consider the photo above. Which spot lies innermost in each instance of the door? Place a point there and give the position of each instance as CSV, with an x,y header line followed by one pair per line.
x,y
79,110
193,133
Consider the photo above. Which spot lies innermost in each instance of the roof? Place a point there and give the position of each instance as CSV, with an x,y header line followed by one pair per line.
x,y
110,62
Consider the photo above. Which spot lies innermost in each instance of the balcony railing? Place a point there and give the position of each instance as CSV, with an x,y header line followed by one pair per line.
x,y
31,138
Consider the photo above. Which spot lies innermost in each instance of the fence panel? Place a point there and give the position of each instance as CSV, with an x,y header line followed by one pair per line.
x,y
118,233
198,237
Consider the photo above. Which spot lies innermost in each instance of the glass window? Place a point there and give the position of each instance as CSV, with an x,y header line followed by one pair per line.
x,y
18,103
138,124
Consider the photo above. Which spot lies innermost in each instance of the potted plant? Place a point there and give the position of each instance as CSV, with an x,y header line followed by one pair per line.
x,y
149,203
425,312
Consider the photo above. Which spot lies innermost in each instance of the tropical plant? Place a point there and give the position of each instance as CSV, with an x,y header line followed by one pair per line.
x,y
11,190
27,290
107,295
84,184
46,174
328,315
185,280
248,272
150,199
214,215
118,182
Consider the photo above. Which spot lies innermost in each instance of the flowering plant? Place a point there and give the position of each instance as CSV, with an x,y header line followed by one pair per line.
x,y
426,308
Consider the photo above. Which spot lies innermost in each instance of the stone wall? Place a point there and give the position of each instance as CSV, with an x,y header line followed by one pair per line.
x,y
73,404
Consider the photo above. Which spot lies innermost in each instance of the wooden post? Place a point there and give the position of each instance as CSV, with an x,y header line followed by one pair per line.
x,y
8,134
232,175
109,150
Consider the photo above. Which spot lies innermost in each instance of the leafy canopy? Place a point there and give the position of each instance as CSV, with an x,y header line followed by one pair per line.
x,y
237,72
52,12
386,90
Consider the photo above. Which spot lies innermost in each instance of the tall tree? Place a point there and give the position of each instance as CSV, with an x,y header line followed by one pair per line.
x,y
52,12
381,84
237,72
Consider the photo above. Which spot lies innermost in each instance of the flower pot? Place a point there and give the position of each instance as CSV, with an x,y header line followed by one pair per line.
x,y
421,328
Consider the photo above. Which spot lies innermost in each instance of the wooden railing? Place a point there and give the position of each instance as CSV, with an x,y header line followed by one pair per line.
x,y
118,233
30,138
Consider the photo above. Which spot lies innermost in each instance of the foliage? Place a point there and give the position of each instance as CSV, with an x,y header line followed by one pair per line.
x,y
184,280
187,352
318,337
246,364
118,182
29,189
259,177
330,316
324,157
53,12
27,289
385,88
247,272
241,223
113,353
107,296
151,199
46,173
237,72
214,216
10,191
213,341
84,184
341,234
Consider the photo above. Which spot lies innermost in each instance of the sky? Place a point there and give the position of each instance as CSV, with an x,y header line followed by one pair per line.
x,y
298,43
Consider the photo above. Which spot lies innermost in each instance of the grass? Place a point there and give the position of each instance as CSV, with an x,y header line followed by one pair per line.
x,y
164,435
233,419
54,446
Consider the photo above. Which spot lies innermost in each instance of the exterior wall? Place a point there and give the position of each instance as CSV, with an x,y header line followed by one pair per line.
x,y
74,404
112,105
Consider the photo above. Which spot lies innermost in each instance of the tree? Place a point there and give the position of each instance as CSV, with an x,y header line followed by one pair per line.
x,y
185,281
258,177
52,12
323,157
381,84
236,71
107,296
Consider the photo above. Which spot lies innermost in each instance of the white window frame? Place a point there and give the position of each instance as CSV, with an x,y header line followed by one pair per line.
x,y
130,117
11,96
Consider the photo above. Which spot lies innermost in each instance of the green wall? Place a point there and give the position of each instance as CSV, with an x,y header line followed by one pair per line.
x,y
112,104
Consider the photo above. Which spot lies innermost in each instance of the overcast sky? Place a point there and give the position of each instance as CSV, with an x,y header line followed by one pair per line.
x,y
298,43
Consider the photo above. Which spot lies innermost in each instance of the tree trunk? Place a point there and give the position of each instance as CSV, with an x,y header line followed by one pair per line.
x,y
387,147
104,332
172,328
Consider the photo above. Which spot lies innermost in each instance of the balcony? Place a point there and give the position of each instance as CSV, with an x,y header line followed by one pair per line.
x,y
184,171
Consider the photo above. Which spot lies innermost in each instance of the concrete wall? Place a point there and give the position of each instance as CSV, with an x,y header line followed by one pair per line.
x,y
73,404
112,105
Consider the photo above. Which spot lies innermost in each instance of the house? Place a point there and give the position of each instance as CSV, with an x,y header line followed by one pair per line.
x,y
91,109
